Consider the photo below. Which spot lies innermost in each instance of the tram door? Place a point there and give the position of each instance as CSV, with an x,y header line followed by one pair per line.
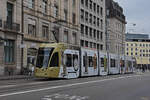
x,y
103,64
72,63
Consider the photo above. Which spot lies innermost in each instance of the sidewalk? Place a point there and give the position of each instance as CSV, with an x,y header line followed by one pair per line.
x,y
15,77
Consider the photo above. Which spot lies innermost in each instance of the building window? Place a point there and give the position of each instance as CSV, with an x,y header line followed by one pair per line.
x,y
66,36
65,15
82,2
101,47
45,31
98,9
9,14
127,49
101,24
90,19
82,29
74,38
127,53
86,30
86,3
140,45
73,18
31,29
73,3
9,51
91,45
45,6
86,17
95,45
127,44
98,46
101,11
94,7
86,43
98,34
98,22
55,10
31,3
136,53
66,4
94,21
82,14
91,32
91,4
82,43
94,32
101,36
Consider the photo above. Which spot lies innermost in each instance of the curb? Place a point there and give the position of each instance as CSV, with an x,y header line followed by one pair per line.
x,y
15,77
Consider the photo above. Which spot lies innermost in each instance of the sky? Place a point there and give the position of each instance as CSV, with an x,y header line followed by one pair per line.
x,y
136,12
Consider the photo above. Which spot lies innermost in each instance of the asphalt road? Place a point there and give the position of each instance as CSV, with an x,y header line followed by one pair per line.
x,y
117,87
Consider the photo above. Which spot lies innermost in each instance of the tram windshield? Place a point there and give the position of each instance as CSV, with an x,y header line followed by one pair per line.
x,y
43,57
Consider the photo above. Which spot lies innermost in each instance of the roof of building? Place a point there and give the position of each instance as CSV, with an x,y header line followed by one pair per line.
x,y
137,37
115,10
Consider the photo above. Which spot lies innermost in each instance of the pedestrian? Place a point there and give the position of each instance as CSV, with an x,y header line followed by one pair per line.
x,y
32,70
143,69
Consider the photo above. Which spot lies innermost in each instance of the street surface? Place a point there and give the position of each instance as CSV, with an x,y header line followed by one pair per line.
x,y
115,87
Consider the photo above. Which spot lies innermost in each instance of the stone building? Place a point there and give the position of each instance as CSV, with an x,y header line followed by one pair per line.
x,y
116,22
10,37
138,46
92,24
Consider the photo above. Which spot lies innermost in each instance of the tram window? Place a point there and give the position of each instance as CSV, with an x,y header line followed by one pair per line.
x,y
43,57
90,61
69,60
55,60
102,62
113,63
84,61
75,59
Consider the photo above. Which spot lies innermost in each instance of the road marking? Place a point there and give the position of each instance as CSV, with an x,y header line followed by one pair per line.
x,y
63,86
64,97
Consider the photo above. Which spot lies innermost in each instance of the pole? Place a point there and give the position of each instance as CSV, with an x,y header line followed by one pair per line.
x,y
22,36
107,49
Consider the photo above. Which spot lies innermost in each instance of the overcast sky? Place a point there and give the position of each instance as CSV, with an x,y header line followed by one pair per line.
x,y
136,11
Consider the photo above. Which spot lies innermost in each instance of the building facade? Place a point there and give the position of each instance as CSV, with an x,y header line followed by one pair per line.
x,y
116,22
10,37
138,46
92,24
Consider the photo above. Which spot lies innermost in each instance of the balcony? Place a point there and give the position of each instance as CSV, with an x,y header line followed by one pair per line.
x,y
0,23
11,26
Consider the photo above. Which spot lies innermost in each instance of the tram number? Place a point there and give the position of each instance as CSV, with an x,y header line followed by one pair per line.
x,y
64,97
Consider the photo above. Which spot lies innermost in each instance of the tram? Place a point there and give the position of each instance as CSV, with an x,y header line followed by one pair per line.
x,y
60,60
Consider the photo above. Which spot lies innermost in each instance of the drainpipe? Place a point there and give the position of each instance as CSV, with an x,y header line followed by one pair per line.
x,y
22,31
